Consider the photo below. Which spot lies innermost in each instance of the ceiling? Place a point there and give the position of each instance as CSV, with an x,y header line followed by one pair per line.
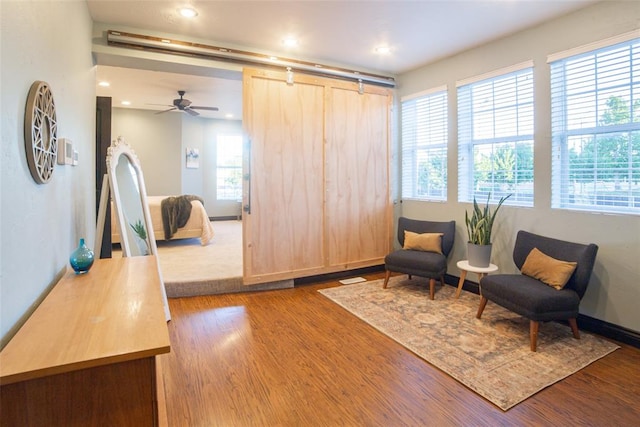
x,y
338,33
156,90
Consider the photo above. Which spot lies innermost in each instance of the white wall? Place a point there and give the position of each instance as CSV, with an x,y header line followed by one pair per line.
x,y
157,140
614,291
42,224
161,140
192,137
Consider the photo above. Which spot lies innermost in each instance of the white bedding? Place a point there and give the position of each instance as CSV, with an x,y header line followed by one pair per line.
x,y
198,224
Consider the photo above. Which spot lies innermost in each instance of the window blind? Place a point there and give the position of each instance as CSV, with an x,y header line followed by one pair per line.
x,y
595,109
495,138
424,146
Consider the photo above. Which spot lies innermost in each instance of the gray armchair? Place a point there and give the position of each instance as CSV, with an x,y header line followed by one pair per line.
x,y
420,263
534,299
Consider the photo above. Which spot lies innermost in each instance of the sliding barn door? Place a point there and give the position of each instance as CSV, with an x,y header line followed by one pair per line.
x,y
317,187
358,212
283,231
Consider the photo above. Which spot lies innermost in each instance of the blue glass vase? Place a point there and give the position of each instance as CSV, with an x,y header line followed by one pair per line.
x,y
81,259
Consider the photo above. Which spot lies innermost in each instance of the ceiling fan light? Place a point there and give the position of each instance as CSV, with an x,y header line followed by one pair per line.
x,y
184,105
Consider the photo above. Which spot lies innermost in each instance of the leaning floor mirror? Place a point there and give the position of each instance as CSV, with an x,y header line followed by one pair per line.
x,y
131,209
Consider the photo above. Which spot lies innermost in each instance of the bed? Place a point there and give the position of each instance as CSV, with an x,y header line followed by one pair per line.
x,y
198,224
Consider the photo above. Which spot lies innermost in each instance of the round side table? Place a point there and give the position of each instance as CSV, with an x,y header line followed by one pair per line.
x,y
480,271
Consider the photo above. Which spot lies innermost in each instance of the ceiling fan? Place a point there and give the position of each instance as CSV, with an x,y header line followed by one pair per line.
x,y
183,104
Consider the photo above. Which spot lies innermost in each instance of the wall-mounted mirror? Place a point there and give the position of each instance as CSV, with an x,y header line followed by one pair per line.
x,y
131,209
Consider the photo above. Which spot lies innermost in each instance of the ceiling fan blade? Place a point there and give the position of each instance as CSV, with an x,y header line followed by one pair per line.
x,y
204,108
162,105
190,111
164,111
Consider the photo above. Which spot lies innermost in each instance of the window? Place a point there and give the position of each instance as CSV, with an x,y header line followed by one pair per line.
x,y
424,146
495,137
229,167
595,99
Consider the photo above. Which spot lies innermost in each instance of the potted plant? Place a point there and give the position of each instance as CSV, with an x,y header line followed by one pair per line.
x,y
141,237
479,226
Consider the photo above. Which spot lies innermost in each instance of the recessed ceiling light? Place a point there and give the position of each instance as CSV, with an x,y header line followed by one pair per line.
x,y
125,103
188,12
383,50
229,116
104,84
290,42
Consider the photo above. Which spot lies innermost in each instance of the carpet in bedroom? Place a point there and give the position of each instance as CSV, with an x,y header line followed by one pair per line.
x,y
187,260
190,269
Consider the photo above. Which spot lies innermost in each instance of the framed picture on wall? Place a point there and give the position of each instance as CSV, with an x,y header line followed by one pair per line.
x,y
193,158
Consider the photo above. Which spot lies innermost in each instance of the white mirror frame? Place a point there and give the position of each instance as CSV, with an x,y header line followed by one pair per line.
x,y
125,200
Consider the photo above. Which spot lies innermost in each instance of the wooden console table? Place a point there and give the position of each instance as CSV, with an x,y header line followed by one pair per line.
x,y
88,354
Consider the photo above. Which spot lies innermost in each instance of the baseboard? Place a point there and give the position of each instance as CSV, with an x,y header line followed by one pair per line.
x,y
338,275
225,218
585,323
609,330
468,285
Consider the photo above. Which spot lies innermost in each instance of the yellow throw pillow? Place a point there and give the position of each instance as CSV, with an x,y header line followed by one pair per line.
x,y
551,271
426,242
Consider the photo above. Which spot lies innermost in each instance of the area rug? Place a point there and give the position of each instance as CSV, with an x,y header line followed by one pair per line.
x,y
490,355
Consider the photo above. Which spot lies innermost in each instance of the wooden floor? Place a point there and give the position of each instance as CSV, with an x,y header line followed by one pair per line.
x,y
294,358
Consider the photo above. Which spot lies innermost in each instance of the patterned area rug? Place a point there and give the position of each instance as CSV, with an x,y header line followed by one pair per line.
x,y
491,355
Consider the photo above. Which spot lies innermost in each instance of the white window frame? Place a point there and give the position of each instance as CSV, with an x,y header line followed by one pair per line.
x,y
226,168
425,135
584,82
498,125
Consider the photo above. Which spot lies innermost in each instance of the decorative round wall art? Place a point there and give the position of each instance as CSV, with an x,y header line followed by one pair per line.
x,y
40,132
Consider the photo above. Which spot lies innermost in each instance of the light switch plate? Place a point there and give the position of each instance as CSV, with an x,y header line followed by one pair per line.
x,y
65,151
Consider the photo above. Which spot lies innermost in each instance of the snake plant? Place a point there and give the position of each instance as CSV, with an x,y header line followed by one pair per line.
x,y
480,223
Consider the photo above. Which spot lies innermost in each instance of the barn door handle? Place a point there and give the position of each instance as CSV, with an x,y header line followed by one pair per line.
x,y
247,177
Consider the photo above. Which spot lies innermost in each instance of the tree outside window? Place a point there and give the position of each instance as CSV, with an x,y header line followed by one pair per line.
x,y
495,138
596,130
424,145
